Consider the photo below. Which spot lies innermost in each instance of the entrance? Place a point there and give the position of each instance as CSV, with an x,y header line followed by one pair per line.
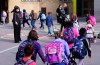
x,y
4,6
84,7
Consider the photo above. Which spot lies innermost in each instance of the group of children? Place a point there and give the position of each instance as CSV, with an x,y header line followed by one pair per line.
x,y
70,42
26,53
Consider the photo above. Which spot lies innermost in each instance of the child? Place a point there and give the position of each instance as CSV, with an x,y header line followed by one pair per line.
x,y
28,50
90,32
33,19
49,22
26,60
75,22
82,36
64,51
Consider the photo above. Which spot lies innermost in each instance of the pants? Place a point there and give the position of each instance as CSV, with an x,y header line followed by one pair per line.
x,y
58,63
80,62
3,19
25,21
49,32
59,20
17,30
42,24
33,23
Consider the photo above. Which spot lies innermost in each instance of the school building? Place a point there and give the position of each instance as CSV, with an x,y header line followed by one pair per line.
x,y
79,7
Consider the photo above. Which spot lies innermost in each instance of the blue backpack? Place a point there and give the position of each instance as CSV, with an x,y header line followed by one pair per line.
x,y
43,16
69,35
79,49
20,52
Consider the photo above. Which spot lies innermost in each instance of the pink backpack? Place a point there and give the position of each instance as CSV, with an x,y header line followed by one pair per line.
x,y
93,20
54,52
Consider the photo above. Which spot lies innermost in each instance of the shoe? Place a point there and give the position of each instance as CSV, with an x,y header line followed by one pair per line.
x,y
20,40
17,42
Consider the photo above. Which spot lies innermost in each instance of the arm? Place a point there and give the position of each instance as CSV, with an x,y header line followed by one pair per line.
x,y
39,16
40,52
67,51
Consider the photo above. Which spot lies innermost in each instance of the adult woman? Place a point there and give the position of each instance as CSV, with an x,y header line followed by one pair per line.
x,y
16,23
59,14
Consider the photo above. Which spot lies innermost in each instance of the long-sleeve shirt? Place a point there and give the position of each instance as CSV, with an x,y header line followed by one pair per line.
x,y
38,50
49,21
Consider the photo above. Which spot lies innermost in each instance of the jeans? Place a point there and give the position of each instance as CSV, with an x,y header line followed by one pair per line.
x,y
49,32
42,24
62,63
33,23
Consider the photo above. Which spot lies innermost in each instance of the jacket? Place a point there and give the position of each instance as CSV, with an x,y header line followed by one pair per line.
x,y
49,21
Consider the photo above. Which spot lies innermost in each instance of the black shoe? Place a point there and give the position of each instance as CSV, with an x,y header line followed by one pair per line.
x,y
17,42
20,40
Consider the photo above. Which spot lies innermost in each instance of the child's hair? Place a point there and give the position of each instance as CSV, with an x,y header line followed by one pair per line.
x,y
74,16
57,35
28,50
82,31
89,22
49,13
69,24
33,35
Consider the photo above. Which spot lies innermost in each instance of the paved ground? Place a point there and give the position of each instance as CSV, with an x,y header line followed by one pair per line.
x,y
8,48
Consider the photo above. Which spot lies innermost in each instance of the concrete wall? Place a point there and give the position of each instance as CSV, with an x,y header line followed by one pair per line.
x,y
97,9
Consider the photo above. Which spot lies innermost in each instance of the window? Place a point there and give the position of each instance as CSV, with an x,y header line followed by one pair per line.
x,y
30,0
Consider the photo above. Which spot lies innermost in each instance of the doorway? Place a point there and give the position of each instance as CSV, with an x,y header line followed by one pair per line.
x,y
43,9
84,7
4,6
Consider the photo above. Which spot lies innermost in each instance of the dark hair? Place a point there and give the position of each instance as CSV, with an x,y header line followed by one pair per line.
x,y
28,50
24,10
57,35
49,13
33,35
82,31
59,6
15,8
69,24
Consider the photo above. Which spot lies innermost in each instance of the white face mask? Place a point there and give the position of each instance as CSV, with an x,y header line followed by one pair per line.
x,y
17,10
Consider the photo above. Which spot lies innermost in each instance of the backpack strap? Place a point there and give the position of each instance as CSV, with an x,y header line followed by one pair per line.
x,y
28,62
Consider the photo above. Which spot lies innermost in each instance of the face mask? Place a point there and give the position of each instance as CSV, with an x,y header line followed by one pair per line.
x,y
17,10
